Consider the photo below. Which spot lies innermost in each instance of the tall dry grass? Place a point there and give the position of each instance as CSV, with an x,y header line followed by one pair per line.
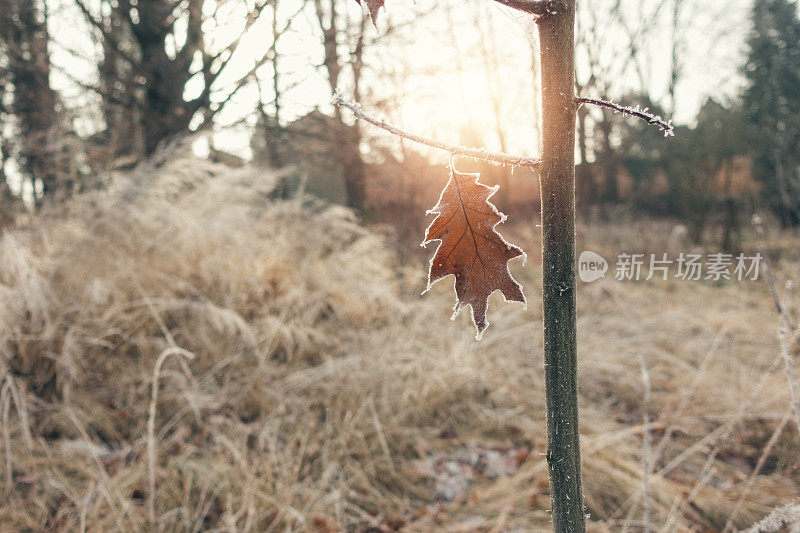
x,y
183,352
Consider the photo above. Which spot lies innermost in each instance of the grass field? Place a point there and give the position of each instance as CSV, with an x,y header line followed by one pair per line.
x,y
185,352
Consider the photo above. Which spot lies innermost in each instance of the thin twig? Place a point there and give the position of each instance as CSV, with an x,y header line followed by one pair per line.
x,y
151,431
534,7
475,153
103,474
785,339
788,368
637,111
765,452
769,278
717,436
646,442
381,435
105,32
788,329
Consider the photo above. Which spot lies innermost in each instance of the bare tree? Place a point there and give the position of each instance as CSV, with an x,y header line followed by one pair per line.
x,y
34,104
610,46
148,64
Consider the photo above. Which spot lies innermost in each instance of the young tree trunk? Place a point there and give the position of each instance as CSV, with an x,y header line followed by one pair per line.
x,y
273,124
559,107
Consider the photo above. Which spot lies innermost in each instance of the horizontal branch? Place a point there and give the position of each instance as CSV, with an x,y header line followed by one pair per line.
x,y
638,112
475,153
534,7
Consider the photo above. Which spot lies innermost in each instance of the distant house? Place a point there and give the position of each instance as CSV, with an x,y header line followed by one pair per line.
x,y
309,144
736,178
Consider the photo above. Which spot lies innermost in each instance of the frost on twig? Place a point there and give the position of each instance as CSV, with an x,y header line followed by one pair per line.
x,y
475,153
781,517
636,111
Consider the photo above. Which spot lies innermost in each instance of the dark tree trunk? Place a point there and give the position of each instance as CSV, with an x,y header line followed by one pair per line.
x,y
353,164
348,154
609,162
585,181
35,103
731,232
557,34
119,92
152,84
355,175
166,114
272,123
6,198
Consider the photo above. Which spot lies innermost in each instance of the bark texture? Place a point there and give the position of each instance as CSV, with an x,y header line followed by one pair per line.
x,y
559,108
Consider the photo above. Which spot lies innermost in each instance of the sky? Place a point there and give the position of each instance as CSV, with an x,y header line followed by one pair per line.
x,y
431,76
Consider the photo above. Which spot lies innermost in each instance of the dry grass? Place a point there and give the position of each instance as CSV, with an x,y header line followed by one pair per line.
x,y
320,393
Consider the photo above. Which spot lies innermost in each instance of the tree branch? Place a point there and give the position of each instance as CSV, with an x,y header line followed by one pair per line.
x,y
534,7
237,86
252,18
638,112
107,35
475,153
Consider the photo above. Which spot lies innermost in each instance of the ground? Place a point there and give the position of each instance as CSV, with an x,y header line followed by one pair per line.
x,y
305,384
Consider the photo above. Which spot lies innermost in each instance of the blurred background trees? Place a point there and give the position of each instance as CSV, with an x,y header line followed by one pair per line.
x,y
28,100
87,85
159,69
771,102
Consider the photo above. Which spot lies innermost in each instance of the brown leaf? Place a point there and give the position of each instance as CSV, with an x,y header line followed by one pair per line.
x,y
470,248
372,7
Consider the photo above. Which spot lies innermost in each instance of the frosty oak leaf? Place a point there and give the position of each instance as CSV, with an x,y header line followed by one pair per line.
x,y
470,248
